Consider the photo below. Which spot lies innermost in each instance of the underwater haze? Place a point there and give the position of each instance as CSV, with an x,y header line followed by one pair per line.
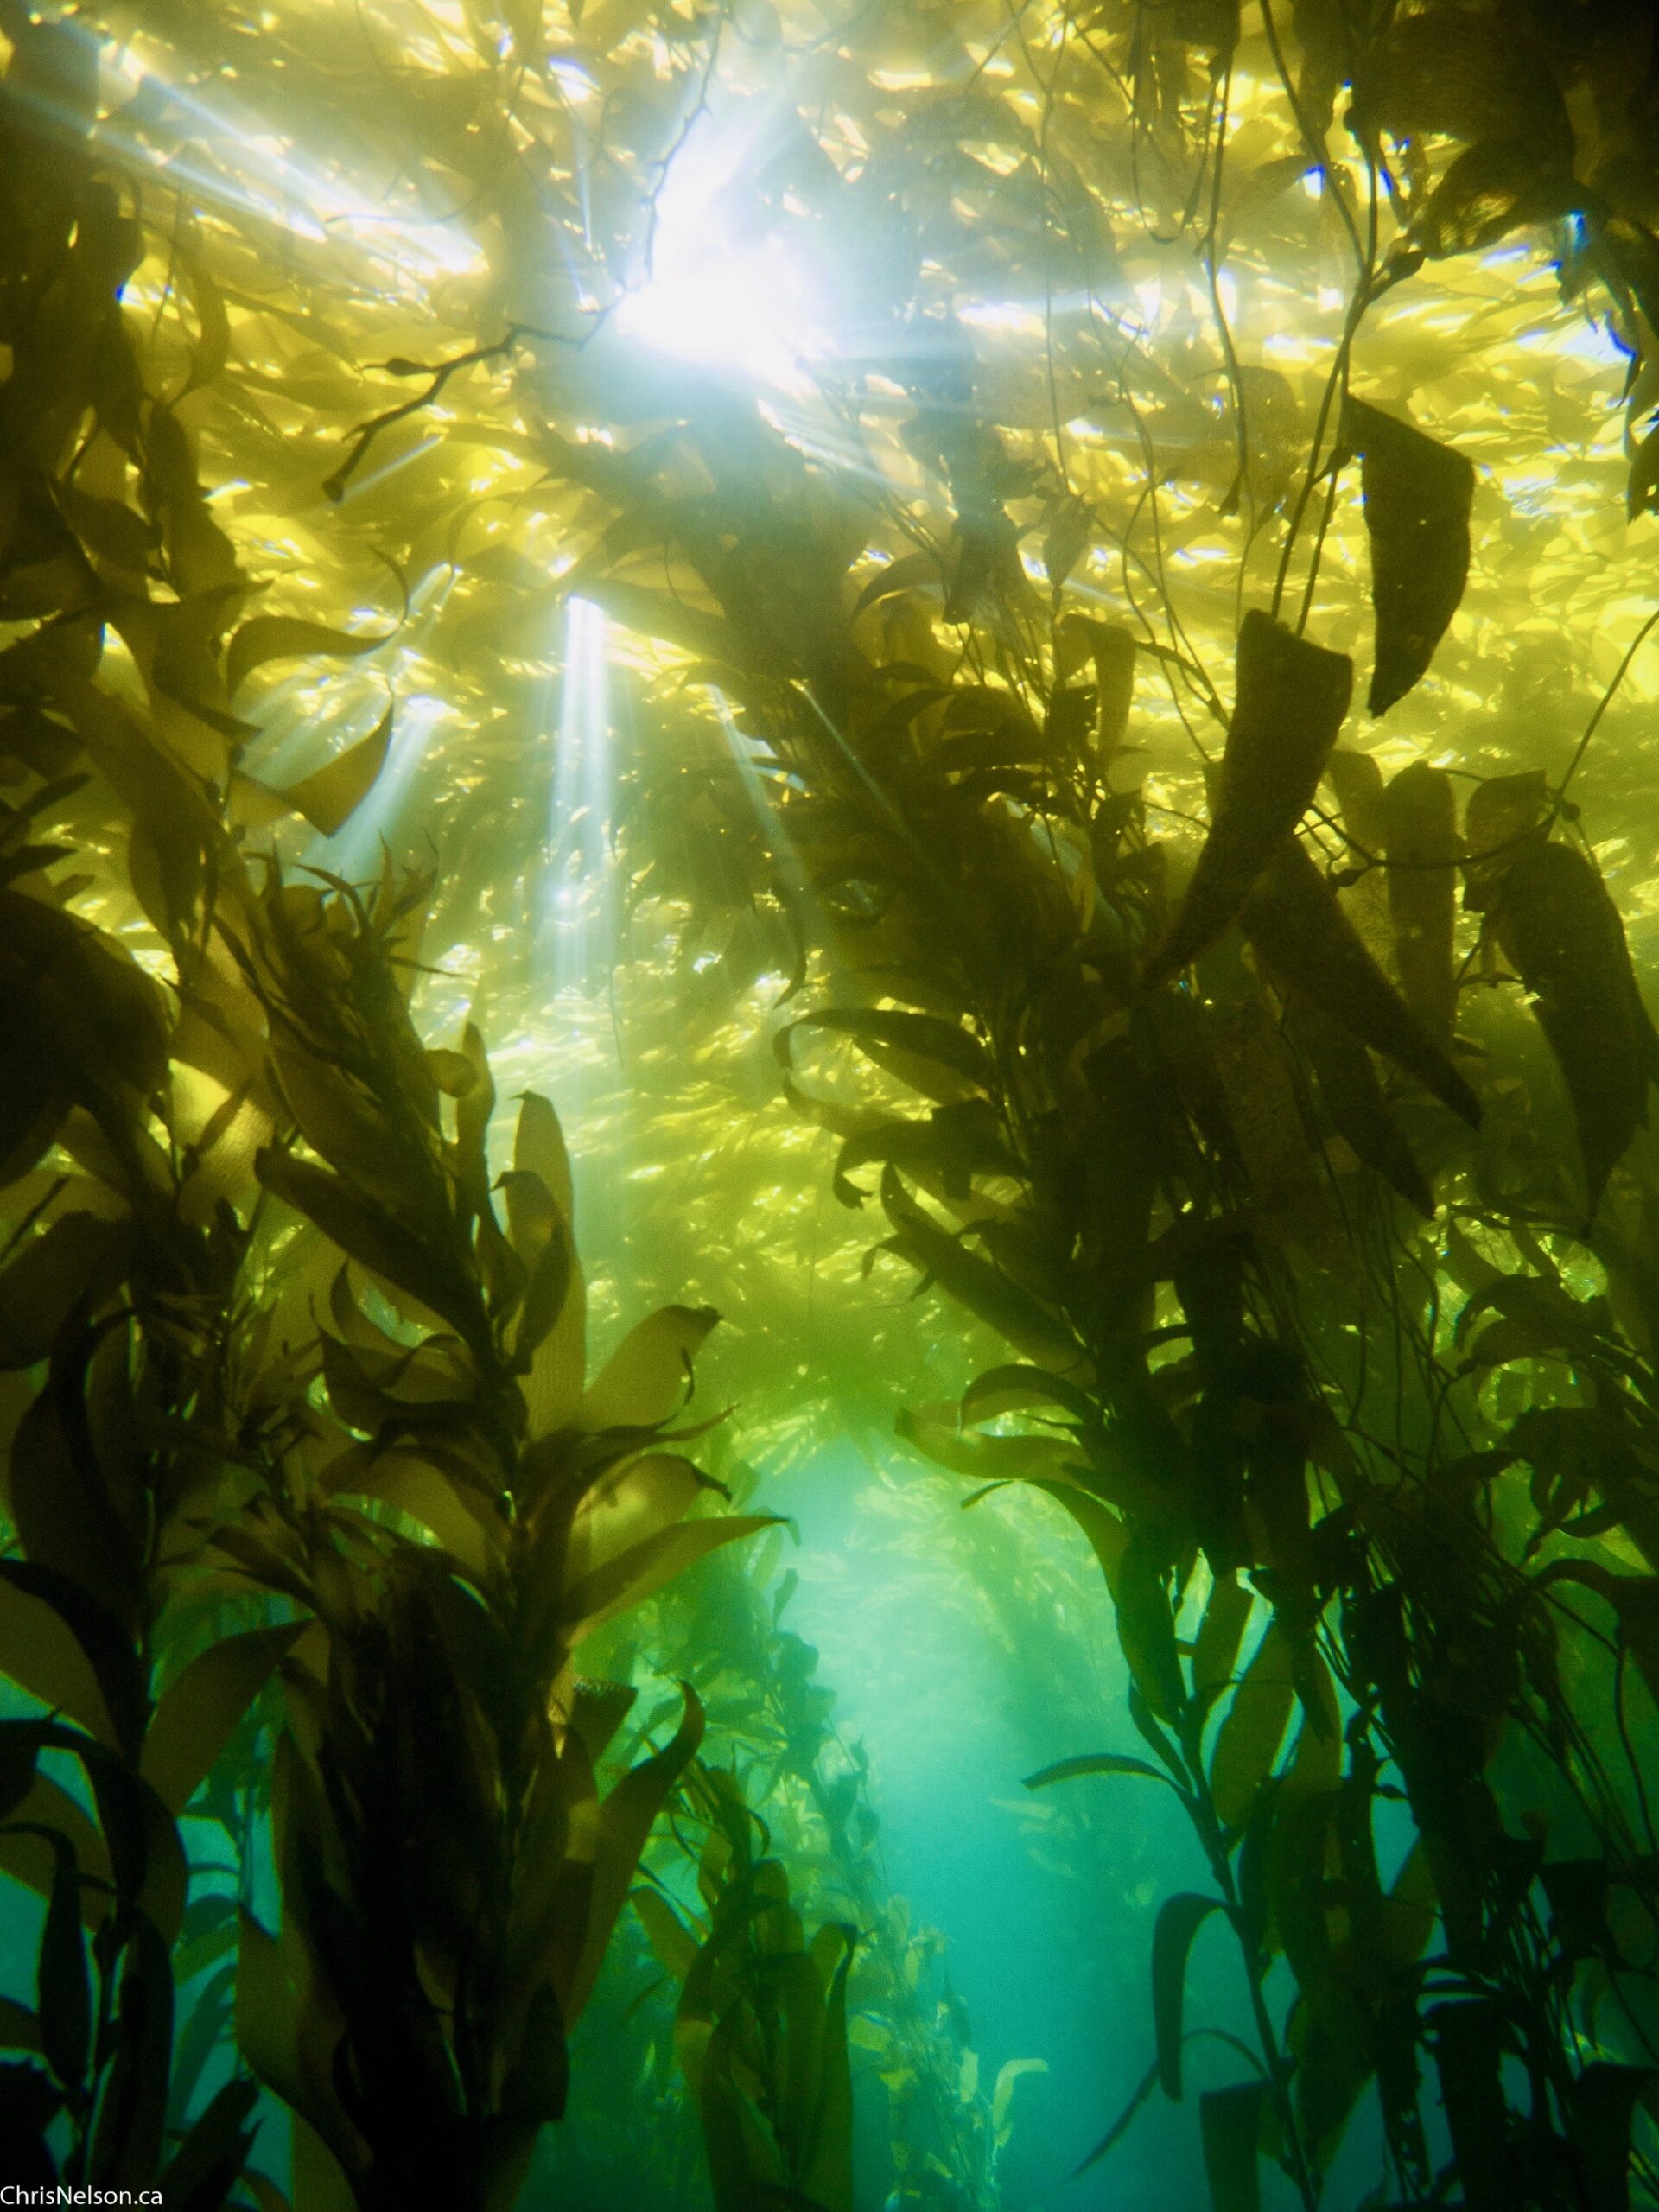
x,y
829,1228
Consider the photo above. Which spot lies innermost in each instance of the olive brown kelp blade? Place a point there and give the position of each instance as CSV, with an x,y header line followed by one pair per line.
x,y
1296,923
1292,697
1505,815
1353,1098
1417,494
1557,924
1420,813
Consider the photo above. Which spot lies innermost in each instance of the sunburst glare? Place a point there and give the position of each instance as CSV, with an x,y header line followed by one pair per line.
x,y
723,289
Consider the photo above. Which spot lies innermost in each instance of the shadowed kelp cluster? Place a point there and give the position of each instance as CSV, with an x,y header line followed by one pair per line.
x,y
998,642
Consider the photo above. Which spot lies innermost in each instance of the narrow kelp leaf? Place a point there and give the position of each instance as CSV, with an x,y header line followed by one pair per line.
x,y
1146,1624
648,1378
28,1857
1257,1079
1230,2124
1291,701
1179,1919
559,1366
949,1147
1119,2127
1419,811
210,2026
21,1745
546,1287
48,1660
935,1432
74,1513
829,2163
198,1713
77,1262
1295,921
329,796
51,1668
284,636
1106,1535
910,572
1557,923
625,1819
368,1235
645,1567
94,1010
1354,1099
1297,1859
132,2115
672,1943
537,2084
208,2163
1094,1763
942,1257
1642,486
63,1987
276,2034
892,1038
1356,780
1539,1316
1214,1653
1008,2075
637,1498
1634,1602
19,2029
1418,497
1113,651
1247,1743
538,1147
1019,1390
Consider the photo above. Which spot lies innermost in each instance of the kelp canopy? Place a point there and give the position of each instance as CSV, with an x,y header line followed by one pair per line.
x,y
1001,647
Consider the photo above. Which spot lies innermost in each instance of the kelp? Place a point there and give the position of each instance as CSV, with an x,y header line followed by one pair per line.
x,y
761,2026
1418,495
771,1716
303,1448
1292,698
1555,921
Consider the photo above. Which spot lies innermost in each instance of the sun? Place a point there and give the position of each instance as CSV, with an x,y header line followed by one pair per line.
x,y
726,286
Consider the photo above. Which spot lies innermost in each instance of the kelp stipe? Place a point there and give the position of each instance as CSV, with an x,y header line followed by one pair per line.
x,y
772,1727
761,2026
450,1874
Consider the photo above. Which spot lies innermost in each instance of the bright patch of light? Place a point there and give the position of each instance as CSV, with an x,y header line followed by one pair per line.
x,y
1588,341
573,80
721,292
1000,314
251,167
575,918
